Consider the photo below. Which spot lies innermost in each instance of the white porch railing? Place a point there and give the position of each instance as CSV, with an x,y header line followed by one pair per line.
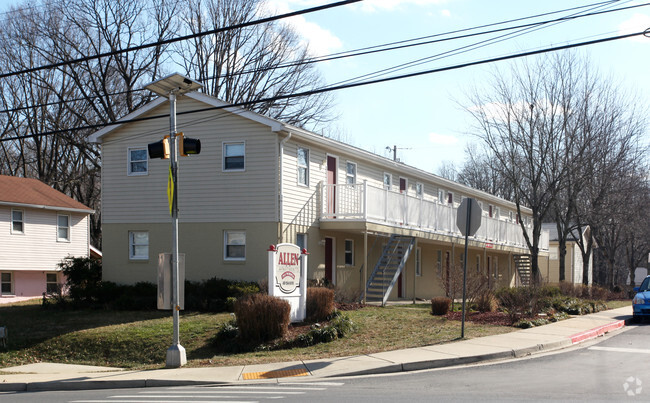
x,y
362,202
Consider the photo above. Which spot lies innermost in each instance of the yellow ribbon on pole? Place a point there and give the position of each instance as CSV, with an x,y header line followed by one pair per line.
x,y
170,190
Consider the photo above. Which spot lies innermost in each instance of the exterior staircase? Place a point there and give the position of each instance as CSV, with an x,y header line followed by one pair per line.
x,y
523,265
388,268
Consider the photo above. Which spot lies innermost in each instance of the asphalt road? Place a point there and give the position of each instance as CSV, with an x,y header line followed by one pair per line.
x,y
613,368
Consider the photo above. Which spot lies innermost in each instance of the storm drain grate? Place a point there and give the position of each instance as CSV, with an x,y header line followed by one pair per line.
x,y
275,374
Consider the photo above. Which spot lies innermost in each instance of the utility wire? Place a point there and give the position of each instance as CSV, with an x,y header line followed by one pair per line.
x,y
347,86
526,28
181,38
383,48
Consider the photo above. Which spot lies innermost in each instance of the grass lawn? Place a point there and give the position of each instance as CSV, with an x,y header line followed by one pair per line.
x,y
139,339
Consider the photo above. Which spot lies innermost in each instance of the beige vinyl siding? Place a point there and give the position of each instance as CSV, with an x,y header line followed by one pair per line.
x,y
301,202
37,248
206,193
202,244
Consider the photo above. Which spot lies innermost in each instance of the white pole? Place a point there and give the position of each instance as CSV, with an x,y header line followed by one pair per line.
x,y
176,353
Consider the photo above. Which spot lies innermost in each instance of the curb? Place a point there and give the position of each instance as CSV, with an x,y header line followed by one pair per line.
x,y
599,331
391,368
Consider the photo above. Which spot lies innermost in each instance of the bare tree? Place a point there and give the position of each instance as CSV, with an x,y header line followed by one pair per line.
x,y
522,123
252,63
479,171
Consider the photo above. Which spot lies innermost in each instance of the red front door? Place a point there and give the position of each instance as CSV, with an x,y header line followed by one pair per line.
x,y
331,188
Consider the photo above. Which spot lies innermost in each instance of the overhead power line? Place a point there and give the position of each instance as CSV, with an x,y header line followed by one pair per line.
x,y
386,47
347,86
182,38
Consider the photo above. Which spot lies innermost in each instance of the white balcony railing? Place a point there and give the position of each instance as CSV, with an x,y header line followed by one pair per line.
x,y
362,202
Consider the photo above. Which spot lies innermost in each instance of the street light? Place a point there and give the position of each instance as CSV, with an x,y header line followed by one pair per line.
x,y
171,87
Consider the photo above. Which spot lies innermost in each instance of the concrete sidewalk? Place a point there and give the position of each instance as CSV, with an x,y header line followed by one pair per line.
x,y
520,343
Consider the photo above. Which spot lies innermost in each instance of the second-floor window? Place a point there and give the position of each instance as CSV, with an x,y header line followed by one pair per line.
x,y
63,227
234,156
138,162
17,222
388,181
303,166
351,173
419,190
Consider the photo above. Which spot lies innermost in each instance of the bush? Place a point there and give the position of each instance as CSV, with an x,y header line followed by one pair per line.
x,y
487,302
84,276
320,303
262,317
340,325
440,305
216,294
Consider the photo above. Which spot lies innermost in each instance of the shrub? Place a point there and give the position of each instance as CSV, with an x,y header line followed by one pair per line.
x,y
518,301
440,305
215,294
84,276
487,302
262,317
320,303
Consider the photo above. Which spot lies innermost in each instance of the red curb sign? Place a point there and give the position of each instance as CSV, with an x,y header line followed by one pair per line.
x,y
599,331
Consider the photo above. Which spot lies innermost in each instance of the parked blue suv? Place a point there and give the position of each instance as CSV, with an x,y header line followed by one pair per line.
x,y
641,301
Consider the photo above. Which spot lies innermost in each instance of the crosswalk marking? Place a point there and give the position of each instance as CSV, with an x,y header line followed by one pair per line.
x,y
219,394
621,350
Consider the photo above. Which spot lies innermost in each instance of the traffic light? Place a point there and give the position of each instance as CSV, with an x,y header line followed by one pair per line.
x,y
159,149
188,146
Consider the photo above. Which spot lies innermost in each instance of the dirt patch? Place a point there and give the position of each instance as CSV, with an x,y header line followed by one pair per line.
x,y
483,318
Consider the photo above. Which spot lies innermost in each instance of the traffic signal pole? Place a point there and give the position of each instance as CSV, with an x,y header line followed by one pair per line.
x,y
176,356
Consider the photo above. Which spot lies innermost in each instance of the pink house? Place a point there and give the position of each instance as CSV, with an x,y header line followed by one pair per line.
x,y
39,226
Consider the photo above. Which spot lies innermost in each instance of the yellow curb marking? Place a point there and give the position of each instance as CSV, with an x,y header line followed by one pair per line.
x,y
275,374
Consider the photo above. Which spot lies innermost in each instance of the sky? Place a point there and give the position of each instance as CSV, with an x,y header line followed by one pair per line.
x,y
425,116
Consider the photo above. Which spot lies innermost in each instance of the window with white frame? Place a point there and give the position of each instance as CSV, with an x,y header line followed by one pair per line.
x,y
63,227
138,161
388,181
418,262
439,262
510,215
497,213
17,222
301,240
441,196
351,173
51,283
6,283
478,263
235,245
349,252
234,156
419,190
138,245
303,166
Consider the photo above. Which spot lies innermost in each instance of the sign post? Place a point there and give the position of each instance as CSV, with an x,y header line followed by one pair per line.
x,y
288,277
468,221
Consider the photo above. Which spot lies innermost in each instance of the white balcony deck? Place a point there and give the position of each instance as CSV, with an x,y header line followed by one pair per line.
x,y
362,202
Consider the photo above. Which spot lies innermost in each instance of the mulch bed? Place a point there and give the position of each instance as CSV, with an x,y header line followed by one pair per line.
x,y
484,318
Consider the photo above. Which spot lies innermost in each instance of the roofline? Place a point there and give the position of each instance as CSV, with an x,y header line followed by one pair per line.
x,y
98,135
44,207
275,125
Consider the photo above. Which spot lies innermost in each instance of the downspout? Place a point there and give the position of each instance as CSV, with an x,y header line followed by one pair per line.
x,y
281,188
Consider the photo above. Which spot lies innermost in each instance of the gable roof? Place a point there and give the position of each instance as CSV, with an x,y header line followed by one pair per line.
x,y
287,129
25,192
212,102
573,235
